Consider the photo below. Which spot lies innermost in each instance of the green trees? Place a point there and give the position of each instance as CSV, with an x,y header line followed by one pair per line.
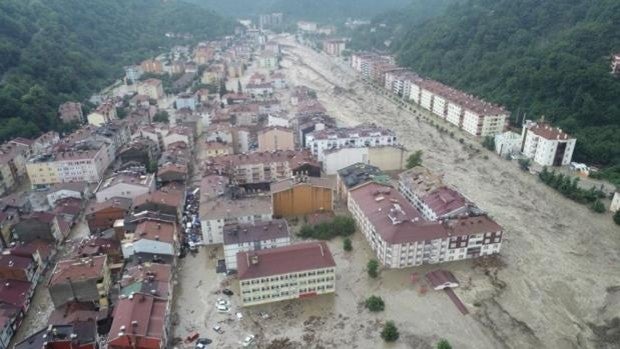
x,y
60,50
390,332
339,226
347,245
617,217
534,57
414,159
489,143
444,344
161,116
524,164
374,304
570,188
598,206
373,268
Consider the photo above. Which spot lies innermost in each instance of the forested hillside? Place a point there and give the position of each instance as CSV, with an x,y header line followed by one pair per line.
x,y
538,58
55,50
318,10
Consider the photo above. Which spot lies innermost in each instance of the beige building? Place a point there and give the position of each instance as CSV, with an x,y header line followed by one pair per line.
x,y
105,113
276,138
152,66
152,88
291,272
69,166
215,149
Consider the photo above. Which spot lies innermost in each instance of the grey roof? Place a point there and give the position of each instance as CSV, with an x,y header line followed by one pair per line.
x,y
259,231
360,173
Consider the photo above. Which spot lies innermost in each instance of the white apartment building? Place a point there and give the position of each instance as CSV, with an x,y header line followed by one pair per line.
x,y
291,272
507,143
125,185
454,114
483,121
253,237
401,237
364,135
439,106
215,214
426,99
547,145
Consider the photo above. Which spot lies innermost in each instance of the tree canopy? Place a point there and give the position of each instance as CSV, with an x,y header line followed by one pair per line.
x,y
57,50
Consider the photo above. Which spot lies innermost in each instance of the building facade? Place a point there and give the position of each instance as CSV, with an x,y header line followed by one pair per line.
x,y
291,272
547,145
253,237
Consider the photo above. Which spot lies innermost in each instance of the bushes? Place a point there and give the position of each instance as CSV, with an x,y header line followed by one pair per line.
x,y
489,143
373,268
346,245
374,304
597,206
390,332
524,164
339,226
414,159
444,344
570,188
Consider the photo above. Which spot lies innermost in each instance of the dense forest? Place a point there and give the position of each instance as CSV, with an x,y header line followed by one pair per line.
x,y
546,58
57,50
324,11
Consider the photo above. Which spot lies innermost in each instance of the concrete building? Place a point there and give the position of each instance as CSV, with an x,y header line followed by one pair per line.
x,y
276,138
215,214
152,66
291,272
61,191
387,158
301,196
151,241
358,174
253,237
102,215
186,100
334,47
215,149
105,113
400,237
615,202
83,280
547,145
507,143
140,321
70,112
125,185
268,60
152,88
615,64
133,73
364,135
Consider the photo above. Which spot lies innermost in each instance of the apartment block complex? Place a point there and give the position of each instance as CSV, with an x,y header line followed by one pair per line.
x,y
291,272
86,162
401,237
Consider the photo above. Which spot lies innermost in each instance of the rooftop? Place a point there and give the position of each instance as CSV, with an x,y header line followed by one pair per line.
x,y
259,231
284,260
421,181
213,186
363,130
140,316
127,177
15,292
549,132
8,261
117,202
360,173
290,183
173,198
78,269
444,200
152,230
228,208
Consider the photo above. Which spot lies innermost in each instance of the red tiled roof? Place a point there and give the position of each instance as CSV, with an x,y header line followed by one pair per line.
x,y
152,230
142,318
15,262
283,260
549,132
15,292
171,198
28,249
116,202
444,200
77,269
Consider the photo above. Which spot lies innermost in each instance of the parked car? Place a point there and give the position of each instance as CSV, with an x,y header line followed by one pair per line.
x,y
249,340
222,308
223,302
202,343
218,329
227,292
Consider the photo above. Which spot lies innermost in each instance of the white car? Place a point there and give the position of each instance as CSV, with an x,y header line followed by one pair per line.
x,y
222,309
224,302
239,316
218,329
249,340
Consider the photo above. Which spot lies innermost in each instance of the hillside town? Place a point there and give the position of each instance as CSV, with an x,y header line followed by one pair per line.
x,y
186,208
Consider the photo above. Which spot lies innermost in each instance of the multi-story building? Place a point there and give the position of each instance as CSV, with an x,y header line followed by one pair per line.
x,y
507,143
253,237
152,66
12,165
547,145
85,163
102,215
83,280
276,138
334,47
70,112
105,112
291,272
400,236
215,214
152,88
364,135
215,149
125,184
387,158
358,174
264,167
141,321
133,73
268,60
151,240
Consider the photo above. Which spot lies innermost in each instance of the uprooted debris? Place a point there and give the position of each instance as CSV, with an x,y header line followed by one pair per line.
x,y
282,343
